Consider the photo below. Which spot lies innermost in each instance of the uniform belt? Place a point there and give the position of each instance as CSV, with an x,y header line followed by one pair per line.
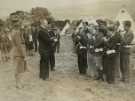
x,y
82,47
108,52
127,46
98,50
91,47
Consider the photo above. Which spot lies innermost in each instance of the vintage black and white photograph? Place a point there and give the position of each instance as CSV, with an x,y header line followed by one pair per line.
x,y
67,50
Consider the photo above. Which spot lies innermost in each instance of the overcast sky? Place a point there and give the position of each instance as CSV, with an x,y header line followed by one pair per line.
x,y
66,8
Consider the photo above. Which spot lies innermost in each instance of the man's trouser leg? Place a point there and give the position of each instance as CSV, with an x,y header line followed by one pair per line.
x,y
20,69
125,66
85,65
44,66
35,45
117,69
52,61
79,63
82,61
99,66
111,68
91,71
58,47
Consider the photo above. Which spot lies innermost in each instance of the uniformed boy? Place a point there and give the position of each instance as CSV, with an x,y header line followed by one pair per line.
x,y
127,38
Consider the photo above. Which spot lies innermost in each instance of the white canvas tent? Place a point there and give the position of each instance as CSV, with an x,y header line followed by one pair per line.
x,y
90,20
78,27
64,30
122,16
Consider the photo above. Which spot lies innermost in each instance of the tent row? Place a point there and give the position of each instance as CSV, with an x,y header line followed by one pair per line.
x,y
122,16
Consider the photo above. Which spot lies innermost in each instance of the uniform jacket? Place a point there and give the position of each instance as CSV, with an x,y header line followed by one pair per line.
x,y
18,44
99,40
127,38
113,43
45,41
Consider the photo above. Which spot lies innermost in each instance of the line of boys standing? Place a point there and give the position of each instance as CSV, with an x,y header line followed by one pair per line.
x,y
103,49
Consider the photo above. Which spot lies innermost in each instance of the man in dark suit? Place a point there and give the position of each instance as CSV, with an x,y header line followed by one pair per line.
x,y
45,49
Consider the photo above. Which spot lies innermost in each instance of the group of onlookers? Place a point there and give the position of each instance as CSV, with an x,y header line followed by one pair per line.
x,y
5,45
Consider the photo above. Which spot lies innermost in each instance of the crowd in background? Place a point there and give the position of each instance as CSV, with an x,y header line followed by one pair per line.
x,y
5,45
